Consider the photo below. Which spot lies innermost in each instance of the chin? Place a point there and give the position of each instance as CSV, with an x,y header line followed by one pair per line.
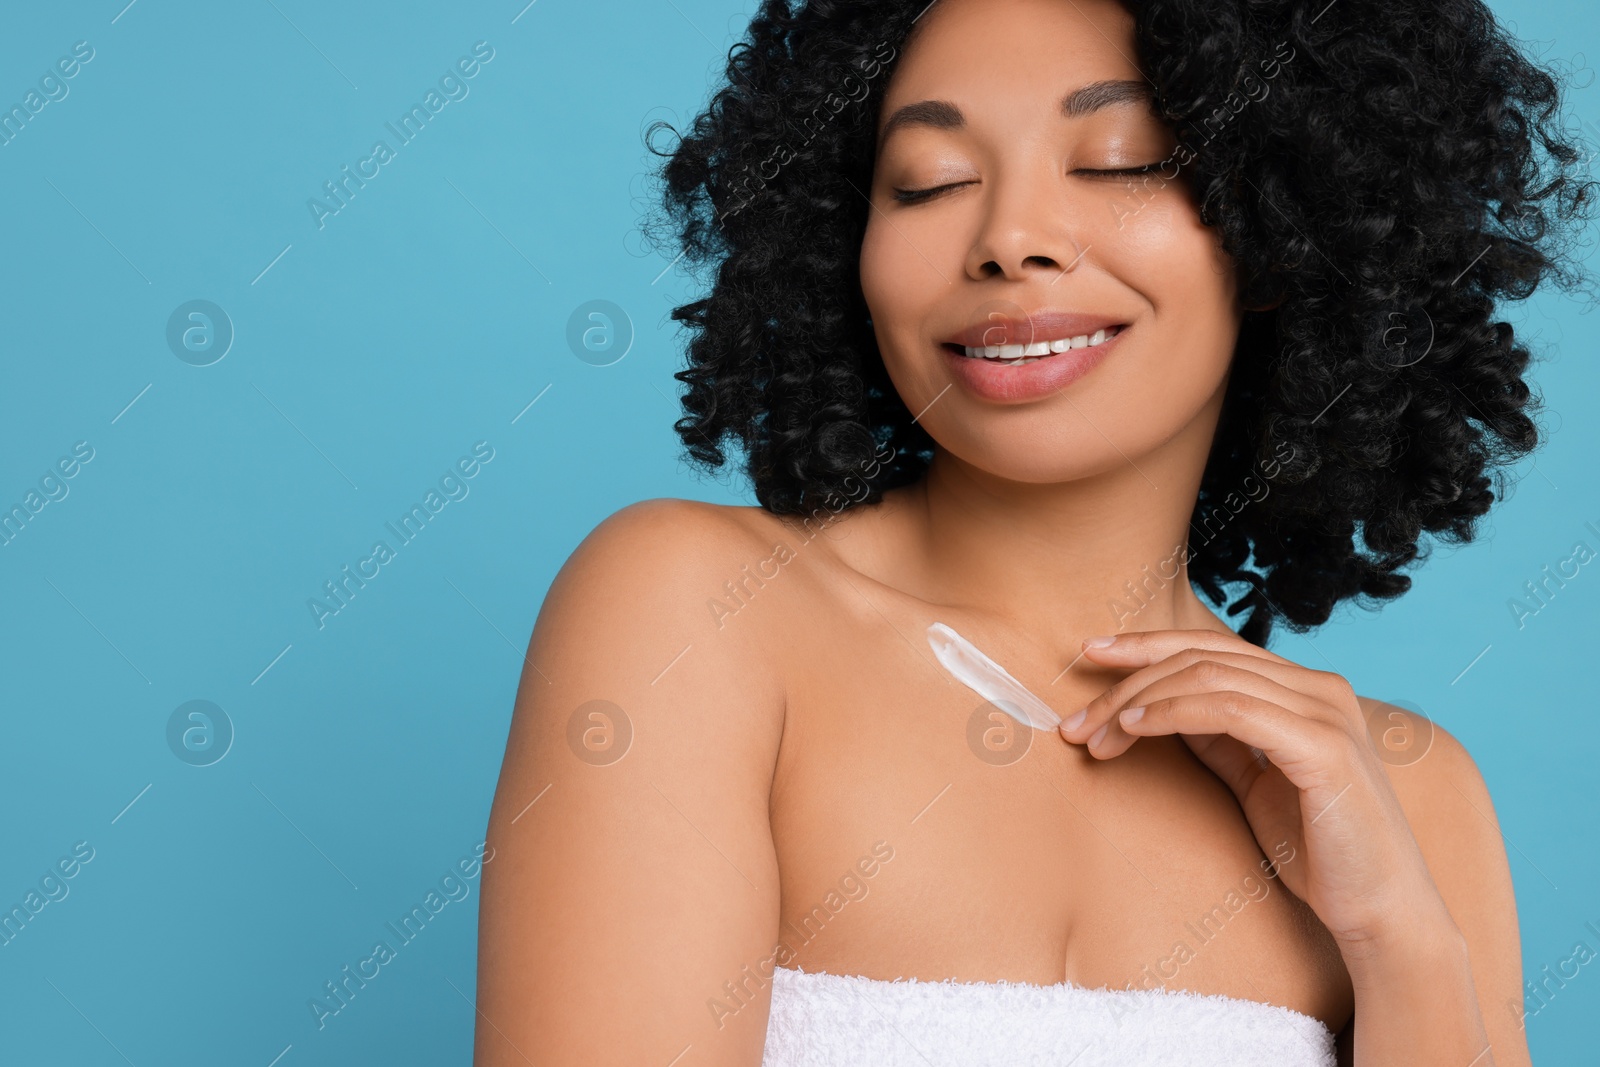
x,y
1108,420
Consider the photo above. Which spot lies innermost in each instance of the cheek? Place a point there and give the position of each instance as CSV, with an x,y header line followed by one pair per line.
x,y
898,271
1180,268
902,287
876,267
1178,256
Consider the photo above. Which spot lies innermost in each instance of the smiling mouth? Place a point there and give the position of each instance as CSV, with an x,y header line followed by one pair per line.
x,y
1015,355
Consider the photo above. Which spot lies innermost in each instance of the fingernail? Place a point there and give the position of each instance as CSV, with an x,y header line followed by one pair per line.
x,y
1075,721
1131,715
1099,735
1097,642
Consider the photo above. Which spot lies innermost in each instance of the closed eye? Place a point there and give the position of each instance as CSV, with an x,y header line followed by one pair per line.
x,y
917,196
1119,172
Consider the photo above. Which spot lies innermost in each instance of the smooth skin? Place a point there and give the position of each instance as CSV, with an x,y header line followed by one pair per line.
x,y
775,725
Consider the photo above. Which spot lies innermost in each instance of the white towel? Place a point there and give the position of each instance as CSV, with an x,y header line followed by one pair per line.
x,y
830,1020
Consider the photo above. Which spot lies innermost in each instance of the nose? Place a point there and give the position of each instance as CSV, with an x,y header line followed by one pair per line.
x,y
1027,226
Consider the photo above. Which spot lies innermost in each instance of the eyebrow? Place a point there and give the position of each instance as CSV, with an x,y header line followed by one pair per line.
x,y
1096,95
943,115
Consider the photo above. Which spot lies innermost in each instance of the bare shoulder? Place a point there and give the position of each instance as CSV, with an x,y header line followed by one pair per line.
x,y
1437,780
639,584
1413,747
663,555
689,533
633,855
1452,817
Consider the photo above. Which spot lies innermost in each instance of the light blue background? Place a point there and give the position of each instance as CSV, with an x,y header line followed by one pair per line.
x,y
369,355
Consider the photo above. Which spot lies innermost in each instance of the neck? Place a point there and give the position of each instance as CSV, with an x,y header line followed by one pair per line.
x,y
1102,554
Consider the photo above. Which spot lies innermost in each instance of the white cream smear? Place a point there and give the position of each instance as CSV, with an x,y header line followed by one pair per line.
x,y
988,679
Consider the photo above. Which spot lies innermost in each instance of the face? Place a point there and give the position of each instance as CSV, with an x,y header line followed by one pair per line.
x,y
1004,215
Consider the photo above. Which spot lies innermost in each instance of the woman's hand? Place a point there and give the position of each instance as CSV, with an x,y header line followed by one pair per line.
x,y
1317,782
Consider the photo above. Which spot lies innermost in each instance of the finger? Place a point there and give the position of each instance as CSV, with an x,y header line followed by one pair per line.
x,y
1304,749
1289,675
1262,790
1081,725
1195,678
1233,761
1143,647
1125,651
1207,669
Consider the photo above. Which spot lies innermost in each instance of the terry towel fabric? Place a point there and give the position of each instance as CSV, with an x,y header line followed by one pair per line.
x,y
829,1020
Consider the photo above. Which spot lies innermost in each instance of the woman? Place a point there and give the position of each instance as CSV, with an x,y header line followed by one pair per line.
x,y
1032,317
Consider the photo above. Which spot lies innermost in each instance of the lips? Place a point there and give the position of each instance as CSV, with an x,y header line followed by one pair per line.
x,y
1036,327
1015,354
1012,381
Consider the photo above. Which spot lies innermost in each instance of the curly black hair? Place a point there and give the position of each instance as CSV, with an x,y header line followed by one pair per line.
x,y
1381,171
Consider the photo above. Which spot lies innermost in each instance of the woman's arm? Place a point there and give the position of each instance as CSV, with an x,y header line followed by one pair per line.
x,y
1448,806
634,872
1294,746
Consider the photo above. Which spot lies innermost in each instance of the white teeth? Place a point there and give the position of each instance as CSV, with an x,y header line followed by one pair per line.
x,y
1012,355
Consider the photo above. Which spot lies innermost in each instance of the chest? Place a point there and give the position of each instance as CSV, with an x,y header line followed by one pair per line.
x,y
923,833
